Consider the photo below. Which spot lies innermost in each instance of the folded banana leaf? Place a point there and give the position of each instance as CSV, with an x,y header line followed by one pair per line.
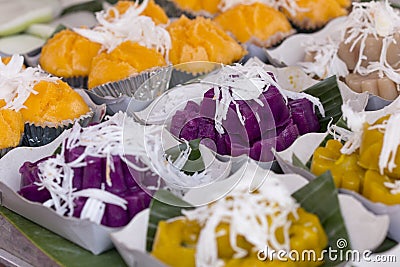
x,y
329,94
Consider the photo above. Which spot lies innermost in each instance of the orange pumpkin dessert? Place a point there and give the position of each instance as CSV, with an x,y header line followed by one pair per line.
x,y
314,14
124,61
202,40
198,6
68,54
11,128
266,27
54,103
152,10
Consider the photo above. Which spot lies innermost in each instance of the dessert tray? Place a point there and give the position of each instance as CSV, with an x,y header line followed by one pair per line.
x,y
175,140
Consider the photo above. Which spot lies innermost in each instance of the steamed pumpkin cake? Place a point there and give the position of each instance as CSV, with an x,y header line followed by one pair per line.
x,y
258,23
316,13
124,61
54,103
68,54
202,40
210,6
11,128
152,10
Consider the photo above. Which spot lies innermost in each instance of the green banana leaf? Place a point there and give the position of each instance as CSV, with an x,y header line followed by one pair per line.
x,y
321,198
62,251
318,197
161,211
329,94
195,162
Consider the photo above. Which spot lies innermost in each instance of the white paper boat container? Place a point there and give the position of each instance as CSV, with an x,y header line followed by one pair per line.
x,y
291,51
84,233
133,236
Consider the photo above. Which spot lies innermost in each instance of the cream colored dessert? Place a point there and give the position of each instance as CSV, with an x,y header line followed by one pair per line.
x,y
366,53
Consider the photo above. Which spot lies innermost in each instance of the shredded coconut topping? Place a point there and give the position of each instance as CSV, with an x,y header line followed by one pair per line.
x,y
378,19
101,141
17,83
326,61
394,187
390,128
355,121
256,216
171,170
391,142
117,136
367,19
130,26
290,5
247,82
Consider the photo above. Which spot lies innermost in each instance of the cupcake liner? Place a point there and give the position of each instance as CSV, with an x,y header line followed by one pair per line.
x,y
181,73
272,41
40,135
32,58
306,25
77,81
4,151
254,51
149,84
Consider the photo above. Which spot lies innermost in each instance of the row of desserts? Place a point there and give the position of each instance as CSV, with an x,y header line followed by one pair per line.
x,y
132,38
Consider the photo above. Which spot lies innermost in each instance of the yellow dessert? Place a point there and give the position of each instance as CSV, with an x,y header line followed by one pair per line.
x,y
366,170
344,3
152,10
175,242
68,54
257,23
202,40
235,231
124,61
195,6
345,170
316,13
54,103
11,128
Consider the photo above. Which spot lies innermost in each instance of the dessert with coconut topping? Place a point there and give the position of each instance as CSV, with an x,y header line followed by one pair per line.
x,y
365,52
368,162
231,231
246,111
45,102
77,55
